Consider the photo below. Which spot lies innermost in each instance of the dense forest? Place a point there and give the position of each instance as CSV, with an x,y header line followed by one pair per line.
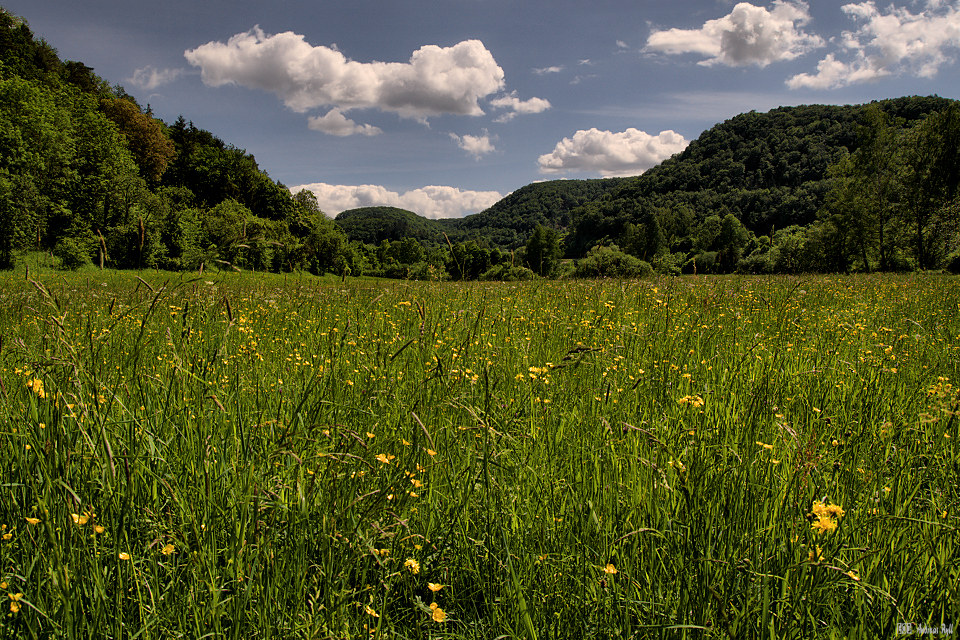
x,y
87,174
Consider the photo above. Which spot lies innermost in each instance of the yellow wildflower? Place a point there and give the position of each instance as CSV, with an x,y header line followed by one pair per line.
x,y
123,555
434,586
437,614
168,549
413,565
33,520
370,611
610,569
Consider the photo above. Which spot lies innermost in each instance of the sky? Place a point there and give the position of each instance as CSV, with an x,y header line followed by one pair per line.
x,y
444,107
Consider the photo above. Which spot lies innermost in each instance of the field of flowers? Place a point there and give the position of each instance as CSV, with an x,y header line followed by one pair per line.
x,y
255,456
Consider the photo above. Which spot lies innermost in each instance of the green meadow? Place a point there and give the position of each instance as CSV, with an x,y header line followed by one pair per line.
x,y
266,456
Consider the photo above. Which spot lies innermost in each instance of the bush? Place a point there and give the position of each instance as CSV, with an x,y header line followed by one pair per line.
x,y
610,262
73,253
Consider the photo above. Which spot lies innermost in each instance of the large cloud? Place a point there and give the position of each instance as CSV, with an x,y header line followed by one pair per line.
x,y
627,153
430,202
748,35
436,80
889,43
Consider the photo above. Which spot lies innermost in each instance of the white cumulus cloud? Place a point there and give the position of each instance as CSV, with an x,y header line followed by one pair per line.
x,y
436,80
747,35
336,124
546,70
431,201
626,153
889,43
149,78
477,146
517,106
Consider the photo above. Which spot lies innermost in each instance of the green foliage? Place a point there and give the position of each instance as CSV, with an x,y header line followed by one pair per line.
x,y
543,251
610,262
73,253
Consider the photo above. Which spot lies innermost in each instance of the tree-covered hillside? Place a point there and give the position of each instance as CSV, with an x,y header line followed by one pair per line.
x,y
373,225
771,174
89,174
509,223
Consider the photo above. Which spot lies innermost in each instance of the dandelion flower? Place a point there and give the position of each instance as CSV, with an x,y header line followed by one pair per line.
x,y
610,569
433,586
413,565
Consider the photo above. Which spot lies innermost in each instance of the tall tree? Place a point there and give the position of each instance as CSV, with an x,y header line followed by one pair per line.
x,y
543,251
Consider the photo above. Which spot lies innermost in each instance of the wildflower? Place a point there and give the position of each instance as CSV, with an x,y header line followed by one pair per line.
x,y
815,556
168,549
413,565
80,520
382,457
853,574
371,611
433,586
36,385
610,569
99,528
431,452
7,535
437,613
123,555
15,602
826,516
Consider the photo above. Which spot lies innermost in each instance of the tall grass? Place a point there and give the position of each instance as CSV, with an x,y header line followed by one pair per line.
x,y
260,457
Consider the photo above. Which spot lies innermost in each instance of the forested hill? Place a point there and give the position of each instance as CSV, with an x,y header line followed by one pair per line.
x,y
507,225
769,171
510,222
88,174
373,225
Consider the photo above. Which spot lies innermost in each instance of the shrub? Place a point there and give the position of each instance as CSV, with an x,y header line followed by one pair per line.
x,y
610,262
73,253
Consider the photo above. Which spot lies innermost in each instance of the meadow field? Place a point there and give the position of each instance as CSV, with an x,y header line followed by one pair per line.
x,y
264,456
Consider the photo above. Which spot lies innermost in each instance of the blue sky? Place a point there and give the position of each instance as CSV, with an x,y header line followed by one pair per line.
x,y
445,106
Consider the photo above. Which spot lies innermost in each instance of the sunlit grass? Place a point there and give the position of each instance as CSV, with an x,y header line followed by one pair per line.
x,y
282,456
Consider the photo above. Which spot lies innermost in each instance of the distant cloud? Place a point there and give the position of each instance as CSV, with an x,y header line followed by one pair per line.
x,y
477,146
748,35
149,78
622,45
336,124
431,202
435,81
889,43
517,106
547,70
627,153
